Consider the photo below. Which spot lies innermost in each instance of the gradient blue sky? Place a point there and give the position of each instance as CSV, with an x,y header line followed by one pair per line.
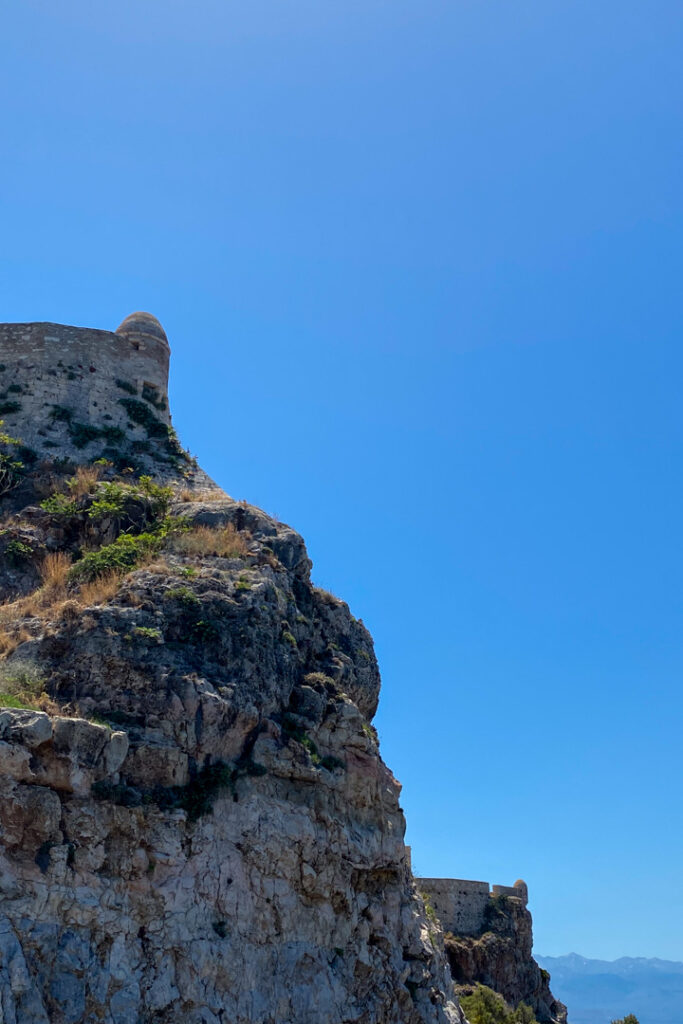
x,y
420,266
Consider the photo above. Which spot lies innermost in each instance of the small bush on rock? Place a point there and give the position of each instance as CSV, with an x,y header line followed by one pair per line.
x,y
141,414
59,506
125,554
11,466
22,685
484,1006
121,501
17,551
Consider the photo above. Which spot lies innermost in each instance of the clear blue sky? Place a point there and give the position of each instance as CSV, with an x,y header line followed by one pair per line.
x,y
420,266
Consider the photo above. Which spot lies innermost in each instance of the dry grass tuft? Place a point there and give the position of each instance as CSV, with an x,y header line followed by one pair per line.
x,y
159,565
44,602
83,481
54,569
69,611
99,591
51,601
7,642
201,494
28,607
225,542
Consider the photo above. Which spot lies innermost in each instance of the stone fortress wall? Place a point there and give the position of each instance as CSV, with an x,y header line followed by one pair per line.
x,y
461,905
55,380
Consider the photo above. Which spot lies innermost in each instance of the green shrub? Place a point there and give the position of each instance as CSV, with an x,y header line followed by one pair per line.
x,y
429,907
151,395
22,684
17,551
116,500
204,631
114,435
11,466
8,407
370,732
123,555
110,500
127,386
8,700
61,414
293,730
192,628
184,595
147,633
83,434
141,414
129,549
27,455
60,506
484,1006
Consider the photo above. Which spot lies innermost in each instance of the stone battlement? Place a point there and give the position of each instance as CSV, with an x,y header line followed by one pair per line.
x,y
461,905
75,389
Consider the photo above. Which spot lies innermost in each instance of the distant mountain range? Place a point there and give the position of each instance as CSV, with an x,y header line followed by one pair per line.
x,y
598,991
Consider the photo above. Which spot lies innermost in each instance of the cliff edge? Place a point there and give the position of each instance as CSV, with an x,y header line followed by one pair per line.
x,y
196,823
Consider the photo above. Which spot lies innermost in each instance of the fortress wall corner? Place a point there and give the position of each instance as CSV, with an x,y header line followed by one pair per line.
x,y
46,366
459,904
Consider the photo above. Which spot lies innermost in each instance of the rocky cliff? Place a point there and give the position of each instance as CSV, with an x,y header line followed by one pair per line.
x,y
499,955
196,822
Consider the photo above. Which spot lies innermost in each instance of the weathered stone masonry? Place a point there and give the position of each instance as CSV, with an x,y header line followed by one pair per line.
x,y
462,905
49,371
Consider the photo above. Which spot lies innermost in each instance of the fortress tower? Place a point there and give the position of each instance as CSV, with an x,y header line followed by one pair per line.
x,y
88,393
462,906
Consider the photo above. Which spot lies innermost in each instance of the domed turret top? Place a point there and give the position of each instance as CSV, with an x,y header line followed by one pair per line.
x,y
522,889
142,325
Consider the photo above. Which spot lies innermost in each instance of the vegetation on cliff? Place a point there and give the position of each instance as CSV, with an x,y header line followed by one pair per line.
x,y
193,790
484,1006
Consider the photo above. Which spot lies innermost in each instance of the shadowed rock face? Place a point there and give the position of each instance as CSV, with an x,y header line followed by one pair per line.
x,y
198,826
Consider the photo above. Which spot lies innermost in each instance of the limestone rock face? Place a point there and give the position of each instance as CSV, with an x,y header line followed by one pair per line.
x,y
205,831
196,824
